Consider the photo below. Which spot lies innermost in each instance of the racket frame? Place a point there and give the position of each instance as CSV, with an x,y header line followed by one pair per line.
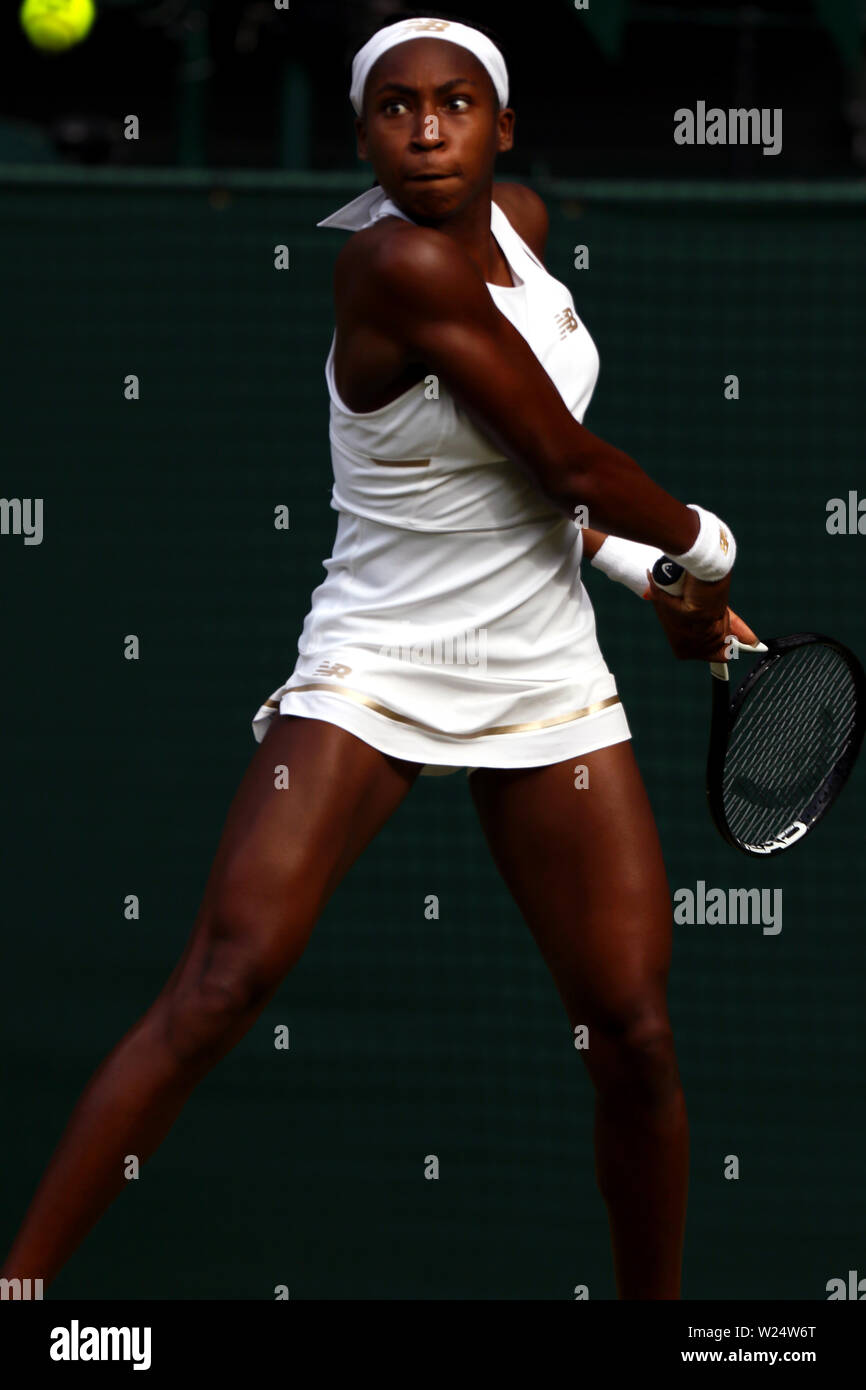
x,y
670,576
727,707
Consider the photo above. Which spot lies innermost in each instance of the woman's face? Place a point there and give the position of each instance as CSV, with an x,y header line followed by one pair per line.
x,y
431,108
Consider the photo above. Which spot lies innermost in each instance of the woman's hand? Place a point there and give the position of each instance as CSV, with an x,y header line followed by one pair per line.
x,y
698,621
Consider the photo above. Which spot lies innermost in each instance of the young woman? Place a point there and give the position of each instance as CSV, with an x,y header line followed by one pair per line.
x,y
458,377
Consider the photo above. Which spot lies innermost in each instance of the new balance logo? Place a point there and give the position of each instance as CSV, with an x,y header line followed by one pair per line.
x,y
567,322
332,668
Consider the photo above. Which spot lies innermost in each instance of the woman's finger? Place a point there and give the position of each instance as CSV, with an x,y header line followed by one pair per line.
x,y
740,629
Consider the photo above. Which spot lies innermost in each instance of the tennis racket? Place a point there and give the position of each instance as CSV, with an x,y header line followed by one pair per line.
x,y
783,745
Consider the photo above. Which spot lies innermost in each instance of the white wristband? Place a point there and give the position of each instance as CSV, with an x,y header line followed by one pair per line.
x,y
626,561
713,553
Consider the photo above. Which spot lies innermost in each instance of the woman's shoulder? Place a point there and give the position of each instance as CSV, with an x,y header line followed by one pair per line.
x,y
399,259
523,207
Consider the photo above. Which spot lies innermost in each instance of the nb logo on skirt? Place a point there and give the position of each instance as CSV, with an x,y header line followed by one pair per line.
x,y
332,668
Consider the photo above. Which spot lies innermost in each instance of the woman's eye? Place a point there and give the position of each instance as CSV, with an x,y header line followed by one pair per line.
x,y
396,104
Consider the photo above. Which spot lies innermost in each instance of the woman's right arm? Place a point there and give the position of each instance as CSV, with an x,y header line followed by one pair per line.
x,y
418,287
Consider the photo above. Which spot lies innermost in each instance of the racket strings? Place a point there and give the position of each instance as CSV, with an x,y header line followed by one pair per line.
x,y
790,733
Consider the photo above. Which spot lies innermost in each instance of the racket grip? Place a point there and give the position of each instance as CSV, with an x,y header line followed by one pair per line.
x,y
669,575
672,577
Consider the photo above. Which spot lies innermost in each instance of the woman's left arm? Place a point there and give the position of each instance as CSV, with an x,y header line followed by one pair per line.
x,y
592,540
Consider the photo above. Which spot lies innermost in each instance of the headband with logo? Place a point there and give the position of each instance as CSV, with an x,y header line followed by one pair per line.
x,y
483,48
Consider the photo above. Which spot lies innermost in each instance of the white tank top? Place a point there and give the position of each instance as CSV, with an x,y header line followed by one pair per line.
x,y
419,462
444,535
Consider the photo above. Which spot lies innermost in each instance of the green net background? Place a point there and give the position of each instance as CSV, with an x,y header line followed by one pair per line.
x,y
408,1036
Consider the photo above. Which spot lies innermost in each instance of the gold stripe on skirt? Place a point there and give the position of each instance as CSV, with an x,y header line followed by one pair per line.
x,y
428,728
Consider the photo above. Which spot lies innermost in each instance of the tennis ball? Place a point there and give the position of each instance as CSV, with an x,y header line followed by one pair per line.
x,y
56,24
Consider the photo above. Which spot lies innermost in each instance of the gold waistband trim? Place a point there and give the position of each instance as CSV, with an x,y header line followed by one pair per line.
x,y
428,728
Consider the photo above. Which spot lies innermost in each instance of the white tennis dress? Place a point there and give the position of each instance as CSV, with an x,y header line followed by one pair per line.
x,y
453,628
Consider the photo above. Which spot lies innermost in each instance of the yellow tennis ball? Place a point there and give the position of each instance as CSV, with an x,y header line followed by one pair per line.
x,y
56,24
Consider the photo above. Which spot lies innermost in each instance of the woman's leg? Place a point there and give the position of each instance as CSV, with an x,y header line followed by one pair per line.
x,y
281,855
585,868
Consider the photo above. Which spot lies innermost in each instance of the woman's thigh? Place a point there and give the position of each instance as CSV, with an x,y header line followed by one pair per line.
x,y
584,865
312,798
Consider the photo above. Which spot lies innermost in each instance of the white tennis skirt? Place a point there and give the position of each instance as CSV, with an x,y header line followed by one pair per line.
x,y
455,649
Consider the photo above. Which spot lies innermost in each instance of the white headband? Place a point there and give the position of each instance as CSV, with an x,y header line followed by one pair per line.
x,y
484,49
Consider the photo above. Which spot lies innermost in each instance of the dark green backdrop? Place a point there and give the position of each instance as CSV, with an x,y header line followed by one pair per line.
x,y
408,1037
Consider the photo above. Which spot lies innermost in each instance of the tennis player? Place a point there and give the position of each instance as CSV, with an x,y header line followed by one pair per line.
x,y
458,376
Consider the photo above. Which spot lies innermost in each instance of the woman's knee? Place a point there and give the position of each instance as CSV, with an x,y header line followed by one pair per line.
x,y
202,1012
247,943
631,1055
